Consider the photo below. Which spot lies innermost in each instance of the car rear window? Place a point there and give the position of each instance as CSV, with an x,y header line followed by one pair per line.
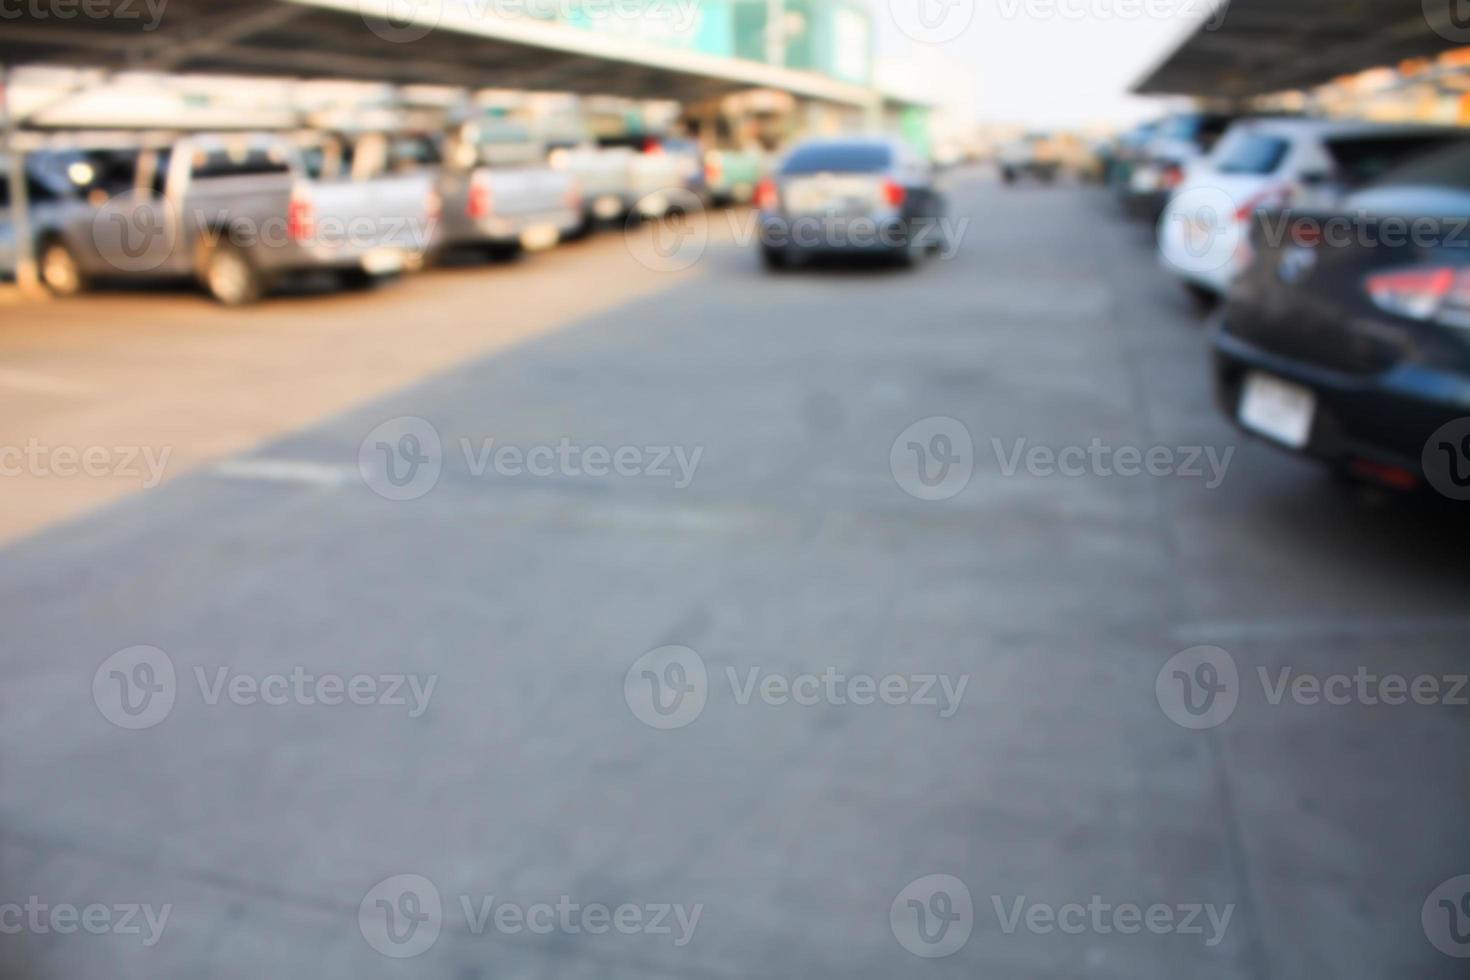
x,y
845,158
1368,159
1255,154
252,162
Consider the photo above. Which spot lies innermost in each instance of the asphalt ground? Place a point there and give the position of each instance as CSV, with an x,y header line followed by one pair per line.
x,y
781,511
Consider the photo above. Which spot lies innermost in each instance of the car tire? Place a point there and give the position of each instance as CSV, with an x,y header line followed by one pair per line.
x,y
229,275
502,252
358,280
59,269
775,259
1203,298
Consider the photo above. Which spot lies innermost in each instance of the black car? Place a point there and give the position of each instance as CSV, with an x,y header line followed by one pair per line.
x,y
1348,337
851,196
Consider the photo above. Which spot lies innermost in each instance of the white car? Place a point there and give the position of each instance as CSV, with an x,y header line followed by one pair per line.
x,y
1262,164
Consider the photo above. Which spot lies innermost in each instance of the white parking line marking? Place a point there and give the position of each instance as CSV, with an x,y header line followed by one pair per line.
x,y
286,471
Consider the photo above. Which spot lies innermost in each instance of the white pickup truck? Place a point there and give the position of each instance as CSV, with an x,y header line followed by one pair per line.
x,y
499,194
238,213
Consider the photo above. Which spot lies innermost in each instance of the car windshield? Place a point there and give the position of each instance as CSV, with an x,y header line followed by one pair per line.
x,y
1252,153
847,158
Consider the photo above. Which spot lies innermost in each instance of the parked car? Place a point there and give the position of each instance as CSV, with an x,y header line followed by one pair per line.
x,y
1274,163
1161,165
1034,155
604,175
1350,342
499,193
733,175
1124,153
689,156
56,201
236,212
653,176
848,196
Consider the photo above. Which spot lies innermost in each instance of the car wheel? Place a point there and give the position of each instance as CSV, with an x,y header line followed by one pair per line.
x,y
60,271
229,275
358,280
1204,299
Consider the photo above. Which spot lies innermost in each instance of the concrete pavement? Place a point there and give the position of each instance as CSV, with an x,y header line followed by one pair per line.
x,y
1299,839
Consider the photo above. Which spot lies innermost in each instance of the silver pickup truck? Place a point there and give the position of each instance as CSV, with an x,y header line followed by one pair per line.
x,y
499,194
238,213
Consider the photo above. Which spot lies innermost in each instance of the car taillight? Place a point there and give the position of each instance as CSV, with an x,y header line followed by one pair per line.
x,y
767,198
573,199
1279,196
300,218
482,199
1431,293
714,170
894,193
1171,176
652,147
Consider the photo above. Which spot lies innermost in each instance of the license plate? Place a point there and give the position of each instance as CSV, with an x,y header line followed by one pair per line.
x,y
1278,410
538,238
607,206
654,206
1145,181
382,261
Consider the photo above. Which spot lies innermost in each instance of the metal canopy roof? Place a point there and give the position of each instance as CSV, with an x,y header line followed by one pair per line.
x,y
459,43
1260,47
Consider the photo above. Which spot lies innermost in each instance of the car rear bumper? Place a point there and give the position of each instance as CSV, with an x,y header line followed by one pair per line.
x,y
813,233
1383,419
508,229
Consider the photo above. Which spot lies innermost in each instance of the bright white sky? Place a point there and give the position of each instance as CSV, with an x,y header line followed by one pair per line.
x,y
1043,63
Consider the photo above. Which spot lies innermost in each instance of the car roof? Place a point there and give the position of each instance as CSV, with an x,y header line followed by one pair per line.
x,y
1324,128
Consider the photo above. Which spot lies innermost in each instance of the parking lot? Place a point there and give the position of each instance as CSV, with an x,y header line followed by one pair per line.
x,y
767,521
